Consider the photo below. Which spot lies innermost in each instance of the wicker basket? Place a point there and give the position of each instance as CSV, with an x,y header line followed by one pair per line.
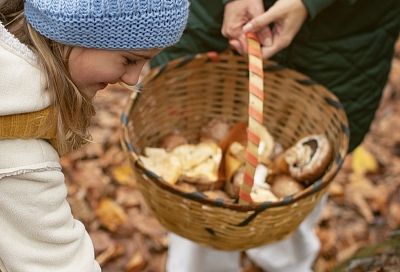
x,y
187,93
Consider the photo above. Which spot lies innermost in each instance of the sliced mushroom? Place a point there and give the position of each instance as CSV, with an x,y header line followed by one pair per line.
x,y
204,172
234,158
261,194
309,158
266,146
163,164
200,164
260,177
285,185
263,175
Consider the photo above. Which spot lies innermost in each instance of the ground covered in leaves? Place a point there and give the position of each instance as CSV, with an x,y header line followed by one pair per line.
x,y
363,208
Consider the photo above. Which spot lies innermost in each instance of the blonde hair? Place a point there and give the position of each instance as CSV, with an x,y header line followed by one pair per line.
x,y
72,108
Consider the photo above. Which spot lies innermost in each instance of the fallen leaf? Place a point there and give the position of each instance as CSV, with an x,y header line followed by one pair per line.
x,y
363,161
124,175
110,253
101,240
136,263
110,214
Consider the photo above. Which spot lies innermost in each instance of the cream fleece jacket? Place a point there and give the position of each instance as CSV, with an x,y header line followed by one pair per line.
x,y
38,232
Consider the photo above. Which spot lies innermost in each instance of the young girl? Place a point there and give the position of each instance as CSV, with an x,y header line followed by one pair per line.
x,y
54,57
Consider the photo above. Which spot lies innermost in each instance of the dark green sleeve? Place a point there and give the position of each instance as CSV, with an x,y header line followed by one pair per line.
x,y
202,32
316,6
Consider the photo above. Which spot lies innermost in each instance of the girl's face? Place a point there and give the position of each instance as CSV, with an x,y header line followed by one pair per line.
x,y
92,69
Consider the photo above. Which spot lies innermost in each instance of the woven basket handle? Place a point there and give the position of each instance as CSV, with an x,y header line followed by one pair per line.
x,y
255,123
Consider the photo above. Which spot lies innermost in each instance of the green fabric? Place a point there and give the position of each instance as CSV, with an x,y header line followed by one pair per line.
x,y
346,45
315,6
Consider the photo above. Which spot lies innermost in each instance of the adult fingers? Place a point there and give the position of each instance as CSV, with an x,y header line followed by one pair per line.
x,y
262,21
265,36
278,43
236,45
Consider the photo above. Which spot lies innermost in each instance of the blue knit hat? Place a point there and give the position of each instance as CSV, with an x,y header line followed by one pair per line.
x,y
109,24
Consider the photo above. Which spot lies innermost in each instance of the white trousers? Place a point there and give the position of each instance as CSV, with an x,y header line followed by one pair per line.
x,y
294,254
38,232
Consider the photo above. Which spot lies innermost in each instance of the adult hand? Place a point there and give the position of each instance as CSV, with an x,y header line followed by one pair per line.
x,y
282,21
236,14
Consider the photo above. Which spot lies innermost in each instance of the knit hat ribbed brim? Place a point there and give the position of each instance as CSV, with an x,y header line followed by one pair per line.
x,y
109,24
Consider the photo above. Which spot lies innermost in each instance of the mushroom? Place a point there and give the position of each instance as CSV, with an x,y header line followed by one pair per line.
x,y
234,158
261,194
237,133
266,146
309,158
200,164
260,177
173,140
185,187
218,194
216,130
285,185
279,164
232,187
163,164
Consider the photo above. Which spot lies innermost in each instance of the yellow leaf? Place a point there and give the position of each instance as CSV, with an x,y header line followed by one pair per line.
x,y
124,175
363,161
110,214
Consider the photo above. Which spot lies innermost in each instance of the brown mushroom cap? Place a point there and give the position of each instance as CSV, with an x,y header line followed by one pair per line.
x,y
173,140
216,130
279,164
309,158
285,185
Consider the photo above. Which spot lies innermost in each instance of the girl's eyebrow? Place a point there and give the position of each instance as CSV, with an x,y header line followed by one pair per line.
x,y
146,57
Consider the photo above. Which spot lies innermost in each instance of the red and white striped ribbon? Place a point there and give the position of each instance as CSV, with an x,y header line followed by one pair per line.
x,y
255,124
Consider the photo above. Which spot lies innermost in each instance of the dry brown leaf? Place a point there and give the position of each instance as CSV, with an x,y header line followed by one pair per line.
x,y
157,263
110,253
101,240
88,174
136,263
363,161
328,240
124,175
336,190
347,252
110,214
146,225
113,156
128,197
81,209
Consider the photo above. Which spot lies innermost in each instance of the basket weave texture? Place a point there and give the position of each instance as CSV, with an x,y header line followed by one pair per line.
x,y
186,94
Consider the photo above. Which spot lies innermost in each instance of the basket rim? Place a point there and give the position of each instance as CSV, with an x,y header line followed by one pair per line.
x,y
198,196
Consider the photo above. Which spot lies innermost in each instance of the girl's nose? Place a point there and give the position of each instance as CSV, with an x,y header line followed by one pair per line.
x,y
131,75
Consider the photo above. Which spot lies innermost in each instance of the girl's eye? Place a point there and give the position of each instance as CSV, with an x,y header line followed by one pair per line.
x,y
130,61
